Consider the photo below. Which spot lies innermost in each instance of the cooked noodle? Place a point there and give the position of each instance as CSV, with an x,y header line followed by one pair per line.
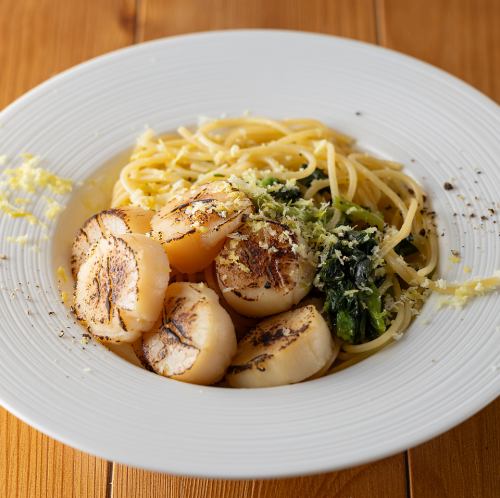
x,y
293,149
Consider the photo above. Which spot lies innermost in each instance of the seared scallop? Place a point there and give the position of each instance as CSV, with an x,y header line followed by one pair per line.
x,y
115,222
328,365
284,349
121,286
194,340
193,226
261,270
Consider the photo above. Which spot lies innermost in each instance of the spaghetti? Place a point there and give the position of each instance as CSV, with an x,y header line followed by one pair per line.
x,y
296,150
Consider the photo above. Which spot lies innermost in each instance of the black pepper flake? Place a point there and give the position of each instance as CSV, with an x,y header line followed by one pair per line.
x,y
267,285
479,172
412,160
491,211
455,214
52,313
468,204
484,218
411,191
61,334
448,186
475,181
455,253
358,113
422,232
472,215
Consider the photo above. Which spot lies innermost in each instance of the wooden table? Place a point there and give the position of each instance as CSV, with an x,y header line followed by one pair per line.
x,y
39,38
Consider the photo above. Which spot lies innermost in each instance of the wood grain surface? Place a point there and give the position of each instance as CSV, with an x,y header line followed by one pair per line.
x,y
40,38
33,465
350,18
460,36
383,479
463,463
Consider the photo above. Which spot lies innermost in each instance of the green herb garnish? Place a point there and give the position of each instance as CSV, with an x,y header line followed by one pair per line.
x,y
355,212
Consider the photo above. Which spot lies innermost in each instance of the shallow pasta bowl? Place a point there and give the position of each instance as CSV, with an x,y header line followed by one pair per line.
x,y
444,369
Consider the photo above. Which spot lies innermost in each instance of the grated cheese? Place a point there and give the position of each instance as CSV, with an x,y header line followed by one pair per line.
x,y
145,139
441,284
426,283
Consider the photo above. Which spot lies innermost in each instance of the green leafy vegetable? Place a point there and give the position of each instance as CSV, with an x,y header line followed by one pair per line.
x,y
374,307
406,247
317,174
357,213
286,195
281,192
345,325
352,301
346,256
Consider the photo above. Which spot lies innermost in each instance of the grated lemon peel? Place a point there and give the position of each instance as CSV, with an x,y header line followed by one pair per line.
x,y
20,239
30,178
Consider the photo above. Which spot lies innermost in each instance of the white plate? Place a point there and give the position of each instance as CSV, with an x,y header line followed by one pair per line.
x,y
446,367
